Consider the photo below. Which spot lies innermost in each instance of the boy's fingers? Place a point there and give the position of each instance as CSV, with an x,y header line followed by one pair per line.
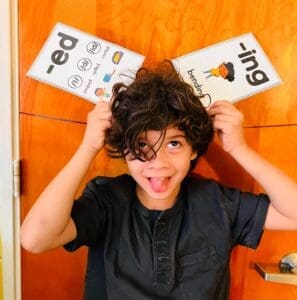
x,y
223,104
224,108
102,110
102,106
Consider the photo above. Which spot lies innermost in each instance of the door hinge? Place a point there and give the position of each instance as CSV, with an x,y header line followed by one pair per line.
x,y
16,178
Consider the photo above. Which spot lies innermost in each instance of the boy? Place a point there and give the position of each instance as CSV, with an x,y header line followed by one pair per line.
x,y
159,234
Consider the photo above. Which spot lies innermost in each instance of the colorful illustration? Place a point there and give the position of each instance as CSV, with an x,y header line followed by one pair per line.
x,y
225,70
117,56
107,76
101,92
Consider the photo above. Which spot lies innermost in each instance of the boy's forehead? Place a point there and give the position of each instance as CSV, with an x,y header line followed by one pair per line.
x,y
171,131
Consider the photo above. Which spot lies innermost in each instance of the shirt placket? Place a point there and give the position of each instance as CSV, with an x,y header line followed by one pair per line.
x,y
161,253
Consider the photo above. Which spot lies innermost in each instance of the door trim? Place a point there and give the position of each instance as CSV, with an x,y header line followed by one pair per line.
x,y
9,149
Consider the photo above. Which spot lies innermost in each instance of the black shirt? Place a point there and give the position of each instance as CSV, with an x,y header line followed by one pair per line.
x,y
180,253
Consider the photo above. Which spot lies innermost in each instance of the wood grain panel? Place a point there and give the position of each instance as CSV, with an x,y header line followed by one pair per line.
x,y
278,145
53,274
46,146
165,29
159,30
218,165
273,246
37,18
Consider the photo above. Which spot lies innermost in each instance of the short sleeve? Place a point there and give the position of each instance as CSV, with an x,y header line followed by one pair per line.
x,y
89,213
247,213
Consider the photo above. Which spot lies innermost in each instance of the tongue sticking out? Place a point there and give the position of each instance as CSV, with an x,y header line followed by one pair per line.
x,y
159,185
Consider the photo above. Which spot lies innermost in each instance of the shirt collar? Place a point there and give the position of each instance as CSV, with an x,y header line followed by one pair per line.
x,y
165,213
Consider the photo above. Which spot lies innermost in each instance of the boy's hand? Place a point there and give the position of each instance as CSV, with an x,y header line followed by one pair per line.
x,y
99,120
227,121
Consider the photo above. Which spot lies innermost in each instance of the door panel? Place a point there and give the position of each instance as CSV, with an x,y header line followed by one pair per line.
x,y
52,275
161,30
46,145
278,145
53,121
273,246
37,18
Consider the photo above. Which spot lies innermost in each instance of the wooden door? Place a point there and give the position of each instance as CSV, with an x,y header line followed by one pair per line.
x,y
52,121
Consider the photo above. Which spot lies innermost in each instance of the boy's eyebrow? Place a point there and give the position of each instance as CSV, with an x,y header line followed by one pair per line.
x,y
170,137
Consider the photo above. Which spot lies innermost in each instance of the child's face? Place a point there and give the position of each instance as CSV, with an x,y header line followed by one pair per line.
x,y
158,180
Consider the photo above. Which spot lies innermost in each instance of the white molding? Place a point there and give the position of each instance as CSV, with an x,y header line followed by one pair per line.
x,y
9,149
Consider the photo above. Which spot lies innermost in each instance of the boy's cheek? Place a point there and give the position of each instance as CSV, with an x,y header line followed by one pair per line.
x,y
129,158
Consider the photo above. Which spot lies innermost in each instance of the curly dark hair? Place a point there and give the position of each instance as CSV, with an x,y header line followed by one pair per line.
x,y
155,100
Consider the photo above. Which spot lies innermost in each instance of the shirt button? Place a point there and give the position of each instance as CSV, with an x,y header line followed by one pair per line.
x,y
161,242
160,258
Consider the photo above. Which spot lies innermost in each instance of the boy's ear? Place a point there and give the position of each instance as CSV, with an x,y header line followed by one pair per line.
x,y
194,155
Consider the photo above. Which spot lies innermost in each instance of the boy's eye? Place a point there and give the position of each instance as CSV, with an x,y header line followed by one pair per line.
x,y
142,145
174,144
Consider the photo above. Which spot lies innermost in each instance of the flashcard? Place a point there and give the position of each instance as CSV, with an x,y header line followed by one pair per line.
x,y
230,70
83,64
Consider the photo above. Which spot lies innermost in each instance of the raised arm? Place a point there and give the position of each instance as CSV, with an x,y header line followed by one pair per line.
x,y
48,224
281,189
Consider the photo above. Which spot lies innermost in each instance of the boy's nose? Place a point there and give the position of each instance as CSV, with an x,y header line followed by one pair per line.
x,y
159,159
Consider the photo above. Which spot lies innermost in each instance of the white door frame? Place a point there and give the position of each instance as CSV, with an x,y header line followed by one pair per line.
x,y
9,150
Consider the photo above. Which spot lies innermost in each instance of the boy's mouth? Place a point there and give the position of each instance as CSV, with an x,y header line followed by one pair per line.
x,y
159,184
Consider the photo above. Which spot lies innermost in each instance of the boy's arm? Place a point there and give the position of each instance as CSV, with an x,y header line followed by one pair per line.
x,y
48,224
281,189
